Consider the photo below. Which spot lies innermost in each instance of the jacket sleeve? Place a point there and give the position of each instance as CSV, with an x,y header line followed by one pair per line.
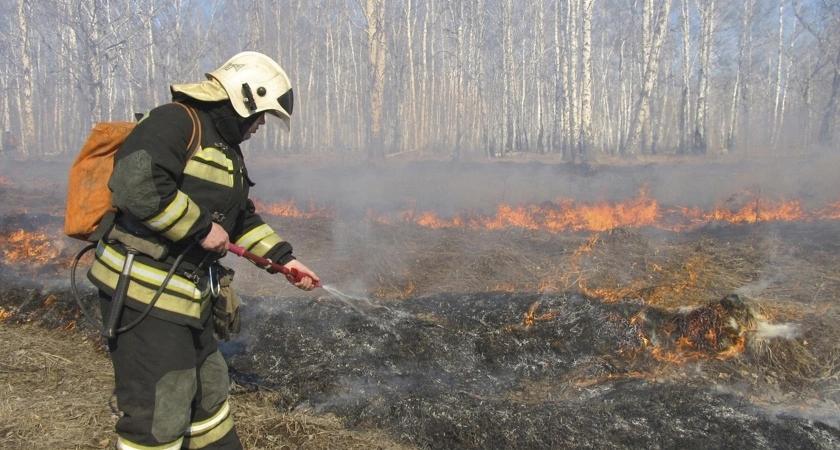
x,y
258,238
147,168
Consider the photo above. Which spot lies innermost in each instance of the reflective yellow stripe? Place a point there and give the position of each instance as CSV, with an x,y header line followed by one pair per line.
x,y
208,424
171,213
181,296
125,444
177,219
144,294
209,173
214,155
262,247
183,226
252,237
151,275
219,425
201,168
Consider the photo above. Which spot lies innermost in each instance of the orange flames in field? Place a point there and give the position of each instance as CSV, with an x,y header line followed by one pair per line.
x,y
530,317
4,181
569,215
290,209
28,246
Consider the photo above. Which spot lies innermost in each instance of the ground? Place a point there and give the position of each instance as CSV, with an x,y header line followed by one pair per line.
x,y
55,383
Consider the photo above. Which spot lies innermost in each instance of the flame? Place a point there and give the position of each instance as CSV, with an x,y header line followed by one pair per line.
x,y
530,317
50,300
564,215
5,181
28,246
289,209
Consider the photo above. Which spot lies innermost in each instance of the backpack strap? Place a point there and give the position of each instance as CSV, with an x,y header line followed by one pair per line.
x,y
194,145
195,138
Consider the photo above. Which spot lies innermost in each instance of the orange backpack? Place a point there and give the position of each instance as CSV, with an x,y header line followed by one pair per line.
x,y
89,211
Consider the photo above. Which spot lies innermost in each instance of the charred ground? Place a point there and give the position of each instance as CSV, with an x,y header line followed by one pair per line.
x,y
720,336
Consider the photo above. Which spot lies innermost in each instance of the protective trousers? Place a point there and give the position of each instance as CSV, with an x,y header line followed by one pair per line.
x,y
171,384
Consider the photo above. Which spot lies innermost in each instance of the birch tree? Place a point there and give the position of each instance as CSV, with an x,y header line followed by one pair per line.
x,y
507,76
822,20
375,18
685,98
27,83
739,92
642,106
586,80
707,27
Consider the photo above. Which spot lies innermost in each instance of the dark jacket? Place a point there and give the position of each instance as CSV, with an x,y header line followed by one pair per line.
x,y
165,197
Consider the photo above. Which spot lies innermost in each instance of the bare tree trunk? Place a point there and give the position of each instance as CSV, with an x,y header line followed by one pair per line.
x,y
572,99
460,90
642,110
537,51
425,78
832,109
738,89
507,75
777,97
477,68
827,37
413,116
586,81
685,110
5,86
375,16
707,18
27,85
562,64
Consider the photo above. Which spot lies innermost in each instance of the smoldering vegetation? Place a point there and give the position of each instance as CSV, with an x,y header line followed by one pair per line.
x,y
457,337
506,370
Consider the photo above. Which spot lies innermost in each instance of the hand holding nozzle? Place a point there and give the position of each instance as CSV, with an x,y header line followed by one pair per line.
x,y
294,274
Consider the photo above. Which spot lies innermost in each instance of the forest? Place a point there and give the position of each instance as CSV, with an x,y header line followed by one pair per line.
x,y
445,79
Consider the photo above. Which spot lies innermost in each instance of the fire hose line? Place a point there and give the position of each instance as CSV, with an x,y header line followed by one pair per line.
x,y
292,274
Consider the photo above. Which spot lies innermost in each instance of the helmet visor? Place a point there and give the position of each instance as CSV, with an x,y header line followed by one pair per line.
x,y
287,101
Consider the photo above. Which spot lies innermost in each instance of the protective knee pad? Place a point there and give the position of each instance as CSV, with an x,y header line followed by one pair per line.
x,y
174,394
214,382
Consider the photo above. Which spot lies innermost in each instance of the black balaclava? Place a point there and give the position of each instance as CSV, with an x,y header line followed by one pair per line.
x,y
230,125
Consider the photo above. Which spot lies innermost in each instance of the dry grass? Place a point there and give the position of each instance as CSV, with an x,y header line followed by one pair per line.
x,y
55,389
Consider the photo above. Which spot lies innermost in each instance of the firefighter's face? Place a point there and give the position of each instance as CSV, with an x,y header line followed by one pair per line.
x,y
254,127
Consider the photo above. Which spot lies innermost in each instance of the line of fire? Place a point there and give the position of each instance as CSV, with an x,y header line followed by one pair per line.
x,y
549,324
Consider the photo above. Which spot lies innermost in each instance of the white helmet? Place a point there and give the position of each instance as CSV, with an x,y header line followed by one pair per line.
x,y
255,83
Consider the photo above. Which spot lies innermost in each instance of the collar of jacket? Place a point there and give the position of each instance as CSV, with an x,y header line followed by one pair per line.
x,y
222,115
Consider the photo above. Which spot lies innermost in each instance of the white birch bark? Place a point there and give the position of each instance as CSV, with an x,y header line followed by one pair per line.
x,y
586,81
707,23
685,110
642,104
27,84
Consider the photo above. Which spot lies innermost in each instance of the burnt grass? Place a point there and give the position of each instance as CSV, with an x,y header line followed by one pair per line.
x,y
522,339
451,371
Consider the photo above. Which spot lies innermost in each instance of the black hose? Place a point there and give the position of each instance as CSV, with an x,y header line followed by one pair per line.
x,y
76,291
148,308
157,293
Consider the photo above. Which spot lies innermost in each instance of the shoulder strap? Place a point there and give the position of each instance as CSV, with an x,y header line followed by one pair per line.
x,y
195,139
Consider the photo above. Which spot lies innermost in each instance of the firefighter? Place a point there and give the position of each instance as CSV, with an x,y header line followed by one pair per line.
x,y
171,381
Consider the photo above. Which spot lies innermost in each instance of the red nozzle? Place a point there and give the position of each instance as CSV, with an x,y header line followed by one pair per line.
x,y
291,273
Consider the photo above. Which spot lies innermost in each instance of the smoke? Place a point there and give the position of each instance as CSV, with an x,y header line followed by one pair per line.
x,y
767,330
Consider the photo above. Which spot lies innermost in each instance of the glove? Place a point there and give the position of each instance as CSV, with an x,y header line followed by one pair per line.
x,y
226,321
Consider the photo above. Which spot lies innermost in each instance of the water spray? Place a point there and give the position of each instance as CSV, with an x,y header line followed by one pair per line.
x,y
361,305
